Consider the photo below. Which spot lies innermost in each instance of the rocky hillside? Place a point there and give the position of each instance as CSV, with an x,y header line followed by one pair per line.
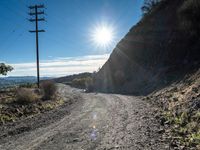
x,y
180,109
162,48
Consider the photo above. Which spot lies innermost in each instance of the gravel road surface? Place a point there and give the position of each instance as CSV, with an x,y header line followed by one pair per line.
x,y
87,121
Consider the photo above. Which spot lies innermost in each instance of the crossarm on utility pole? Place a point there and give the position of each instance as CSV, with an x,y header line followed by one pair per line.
x,y
33,31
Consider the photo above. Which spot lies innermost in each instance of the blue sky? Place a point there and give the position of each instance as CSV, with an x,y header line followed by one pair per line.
x,y
67,40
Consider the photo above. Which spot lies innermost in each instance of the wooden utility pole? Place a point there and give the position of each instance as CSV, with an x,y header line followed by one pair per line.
x,y
34,12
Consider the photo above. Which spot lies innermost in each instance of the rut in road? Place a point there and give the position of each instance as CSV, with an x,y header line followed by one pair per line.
x,y
96,121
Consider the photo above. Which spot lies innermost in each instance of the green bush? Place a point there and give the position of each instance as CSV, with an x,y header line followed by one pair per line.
x,y
49,89
26,96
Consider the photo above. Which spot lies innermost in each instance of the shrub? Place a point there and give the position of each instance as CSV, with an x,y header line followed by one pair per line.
x,y
25,96
89,84
86,83
149,5
78,82
49,89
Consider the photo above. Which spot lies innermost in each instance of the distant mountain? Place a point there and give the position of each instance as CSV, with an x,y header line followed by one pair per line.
x,y
16,80
157,51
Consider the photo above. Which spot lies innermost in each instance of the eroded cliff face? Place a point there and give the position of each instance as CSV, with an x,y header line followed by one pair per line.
x,y
155,52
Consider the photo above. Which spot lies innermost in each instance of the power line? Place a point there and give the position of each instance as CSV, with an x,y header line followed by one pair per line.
x,y
13,27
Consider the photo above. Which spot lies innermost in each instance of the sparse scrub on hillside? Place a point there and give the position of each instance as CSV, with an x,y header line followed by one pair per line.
x,y
184,128
180,105
149,5
85,83
79,83
49,88
68,79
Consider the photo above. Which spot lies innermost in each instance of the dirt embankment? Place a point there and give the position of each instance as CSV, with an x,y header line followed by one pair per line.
x,y
180,108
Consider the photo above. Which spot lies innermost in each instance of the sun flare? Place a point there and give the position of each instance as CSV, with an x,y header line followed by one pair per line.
x,y
103,36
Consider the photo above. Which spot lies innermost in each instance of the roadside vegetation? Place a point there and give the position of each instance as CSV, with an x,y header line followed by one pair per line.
x,y
84,83
26,100
180,112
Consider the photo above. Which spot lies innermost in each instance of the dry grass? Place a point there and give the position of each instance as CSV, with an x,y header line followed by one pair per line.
x,y
26,96
23,102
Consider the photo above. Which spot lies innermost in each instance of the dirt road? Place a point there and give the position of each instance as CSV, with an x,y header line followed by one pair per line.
x,y
92,121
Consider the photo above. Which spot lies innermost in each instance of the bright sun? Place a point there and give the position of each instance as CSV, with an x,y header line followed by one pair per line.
x,y
102,36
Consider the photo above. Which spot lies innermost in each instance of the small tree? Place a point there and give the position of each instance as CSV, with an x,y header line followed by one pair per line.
x,y
148,5
4,69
